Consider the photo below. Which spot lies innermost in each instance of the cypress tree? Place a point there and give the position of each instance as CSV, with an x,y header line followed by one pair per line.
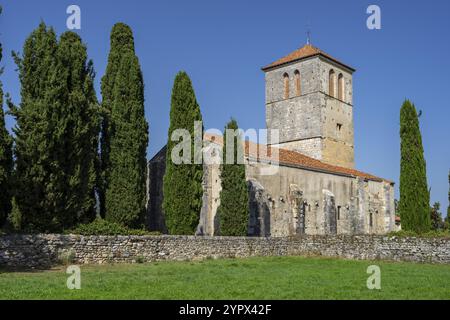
x,y
448,208
128,134
37,168
233,212
436,217
182,187
56,133
414,194
79,128
6,162
121,42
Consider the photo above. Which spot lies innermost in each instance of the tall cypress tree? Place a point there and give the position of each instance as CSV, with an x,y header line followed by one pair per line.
x,y
126,189
36,149
56,133
6,162
79,126
414,194
182,187
448,208
121,42
233,212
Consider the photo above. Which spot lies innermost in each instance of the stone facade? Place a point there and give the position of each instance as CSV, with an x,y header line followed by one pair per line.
x,y
297,201
294,201
42,251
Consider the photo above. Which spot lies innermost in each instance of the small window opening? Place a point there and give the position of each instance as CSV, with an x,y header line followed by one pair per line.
x,y
286,86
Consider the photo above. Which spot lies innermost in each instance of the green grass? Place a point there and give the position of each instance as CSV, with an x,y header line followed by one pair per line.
x,y
253,278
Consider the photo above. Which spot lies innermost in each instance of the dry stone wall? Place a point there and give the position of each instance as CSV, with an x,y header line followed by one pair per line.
x,y
37,251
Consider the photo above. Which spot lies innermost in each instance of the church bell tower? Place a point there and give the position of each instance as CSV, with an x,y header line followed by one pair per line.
x,y
309,101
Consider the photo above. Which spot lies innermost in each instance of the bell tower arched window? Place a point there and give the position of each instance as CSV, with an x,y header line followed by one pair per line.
x,y
298,88
286,85
331,83
341,87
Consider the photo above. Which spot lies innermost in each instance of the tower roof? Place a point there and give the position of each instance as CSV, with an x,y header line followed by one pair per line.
x,y
304,52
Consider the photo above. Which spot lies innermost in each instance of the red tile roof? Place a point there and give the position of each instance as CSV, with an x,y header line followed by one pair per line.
x,y
306,51
297,159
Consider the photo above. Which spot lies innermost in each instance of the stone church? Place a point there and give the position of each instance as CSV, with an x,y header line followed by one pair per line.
x,y
315,188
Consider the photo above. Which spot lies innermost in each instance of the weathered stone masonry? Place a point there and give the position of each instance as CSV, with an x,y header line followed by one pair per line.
x,y
45,250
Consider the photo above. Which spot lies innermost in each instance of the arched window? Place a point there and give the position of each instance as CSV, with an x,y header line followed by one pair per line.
x,y
286,86
331,81
298,88
341,87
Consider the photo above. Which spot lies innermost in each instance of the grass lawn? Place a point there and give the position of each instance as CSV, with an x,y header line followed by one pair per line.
x,y
253,278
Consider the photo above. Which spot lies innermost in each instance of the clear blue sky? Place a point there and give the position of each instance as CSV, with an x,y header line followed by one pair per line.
x,y
222,45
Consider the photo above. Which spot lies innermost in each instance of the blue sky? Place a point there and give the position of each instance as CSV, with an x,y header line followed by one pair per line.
x,y
223,44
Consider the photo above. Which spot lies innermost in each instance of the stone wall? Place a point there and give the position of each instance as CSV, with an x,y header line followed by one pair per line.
x,y
46,250
309,147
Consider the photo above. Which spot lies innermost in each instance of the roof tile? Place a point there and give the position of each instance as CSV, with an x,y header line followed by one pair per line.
x,y
293,158
303,53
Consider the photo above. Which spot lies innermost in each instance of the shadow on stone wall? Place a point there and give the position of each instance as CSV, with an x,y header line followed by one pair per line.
x,y
259,220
